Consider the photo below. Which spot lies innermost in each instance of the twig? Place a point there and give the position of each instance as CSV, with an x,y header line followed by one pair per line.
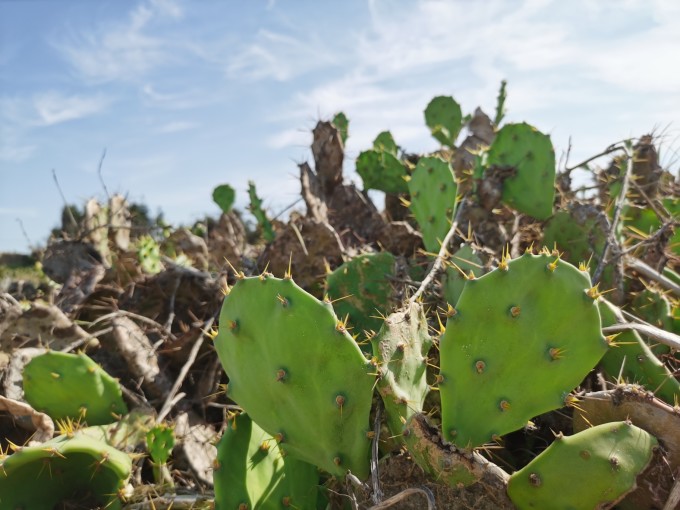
x,y
621,199
665,337
171,304
99,173
674,496
405,494
23,231
176,502
276,216
63,197
132,315
612,148
377,495
169,401
441,257
652,274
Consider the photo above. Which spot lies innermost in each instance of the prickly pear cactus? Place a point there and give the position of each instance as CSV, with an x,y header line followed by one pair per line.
x,y
65,469
433,199
530,154
383,171
592,469
518,341
459,268
294,368
341,123
445,119
72,386
400,350
250,471
360,289
630,357
384,142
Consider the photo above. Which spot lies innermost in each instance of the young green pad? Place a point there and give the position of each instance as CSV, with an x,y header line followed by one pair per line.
x,y
361,289
433,199
592,469
72,386
530,153
250,472
400,349
62,470
518,341
445,119
383,171
296,371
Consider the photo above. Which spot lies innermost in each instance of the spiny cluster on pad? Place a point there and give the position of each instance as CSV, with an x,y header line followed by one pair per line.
x,y
297,372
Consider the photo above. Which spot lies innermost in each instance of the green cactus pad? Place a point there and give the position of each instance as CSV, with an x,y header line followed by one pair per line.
x,y
400,349
445,119
77,470
433,199
453,281
519,340
341,123
224,196
256,209
360,288
65,385
634,360
383,171
592,469
384,142
297,372
530,153
250,470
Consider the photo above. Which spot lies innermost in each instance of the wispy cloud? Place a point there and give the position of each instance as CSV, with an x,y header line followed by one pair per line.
x,y
177,126
279,56
122,51
54,107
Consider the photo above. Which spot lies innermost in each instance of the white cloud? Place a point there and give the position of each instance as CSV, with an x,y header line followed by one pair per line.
x,y
54,108
122,51
177,126
279,57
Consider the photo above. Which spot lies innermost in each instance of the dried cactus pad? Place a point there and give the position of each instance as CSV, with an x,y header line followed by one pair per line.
x,y
519,340
296,371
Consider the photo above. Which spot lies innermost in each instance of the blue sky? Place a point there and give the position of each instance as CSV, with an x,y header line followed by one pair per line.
x,y
188,95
